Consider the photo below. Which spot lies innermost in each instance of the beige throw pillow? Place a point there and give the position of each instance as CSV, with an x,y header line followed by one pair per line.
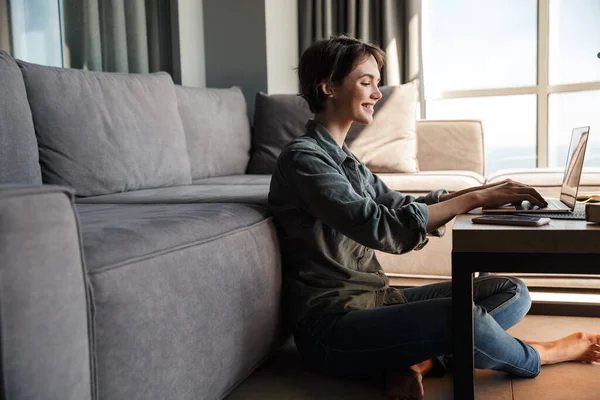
x,y
389,143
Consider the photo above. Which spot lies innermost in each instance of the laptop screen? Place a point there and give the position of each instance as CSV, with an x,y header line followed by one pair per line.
x,y
574,166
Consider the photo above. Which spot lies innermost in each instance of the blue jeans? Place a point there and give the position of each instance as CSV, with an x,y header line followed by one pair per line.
x,y
367,343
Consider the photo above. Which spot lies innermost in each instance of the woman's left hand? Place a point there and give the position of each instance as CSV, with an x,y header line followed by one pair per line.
x,y
477,188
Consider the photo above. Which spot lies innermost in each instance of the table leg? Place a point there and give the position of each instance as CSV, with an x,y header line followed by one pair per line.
x,y
462,314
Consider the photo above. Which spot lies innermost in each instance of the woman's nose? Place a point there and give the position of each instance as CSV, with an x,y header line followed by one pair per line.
x,y
377,93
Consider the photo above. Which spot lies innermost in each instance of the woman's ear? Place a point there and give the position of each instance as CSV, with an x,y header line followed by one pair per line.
x,y
327,89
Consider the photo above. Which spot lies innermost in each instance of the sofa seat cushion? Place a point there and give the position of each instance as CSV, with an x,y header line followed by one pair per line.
x,y
114,234
426,181
418,182
252,194
246,179
549,180
185,297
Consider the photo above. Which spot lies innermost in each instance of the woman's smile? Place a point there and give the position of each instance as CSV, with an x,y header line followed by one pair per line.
x,y
368,107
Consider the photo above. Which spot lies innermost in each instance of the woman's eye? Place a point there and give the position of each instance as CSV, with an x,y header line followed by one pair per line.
x,y
365,83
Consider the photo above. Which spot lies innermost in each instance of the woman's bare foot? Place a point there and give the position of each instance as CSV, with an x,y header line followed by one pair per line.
x,y
579,346
404,385
407,384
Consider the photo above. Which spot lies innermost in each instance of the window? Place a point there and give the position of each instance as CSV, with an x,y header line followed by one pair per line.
x,y
528,68
574,76
114,36
36,31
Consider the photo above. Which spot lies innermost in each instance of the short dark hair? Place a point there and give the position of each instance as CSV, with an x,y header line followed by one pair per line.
x,y
331,60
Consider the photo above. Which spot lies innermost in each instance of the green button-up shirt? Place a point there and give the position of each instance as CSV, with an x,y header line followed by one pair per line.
x,y
331,212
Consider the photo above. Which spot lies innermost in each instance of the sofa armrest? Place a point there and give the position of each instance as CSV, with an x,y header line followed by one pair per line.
x,y
44,323
444,145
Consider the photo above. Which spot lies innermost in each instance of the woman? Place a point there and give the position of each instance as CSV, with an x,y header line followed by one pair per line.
x,y
332,212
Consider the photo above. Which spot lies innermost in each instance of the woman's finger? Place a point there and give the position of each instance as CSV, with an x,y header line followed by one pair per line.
x,y
538,196
535,201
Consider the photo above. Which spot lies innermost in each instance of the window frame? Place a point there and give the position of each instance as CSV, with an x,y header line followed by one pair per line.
x,y
542,90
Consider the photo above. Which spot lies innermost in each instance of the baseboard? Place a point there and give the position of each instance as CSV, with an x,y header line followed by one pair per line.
x,y
565,309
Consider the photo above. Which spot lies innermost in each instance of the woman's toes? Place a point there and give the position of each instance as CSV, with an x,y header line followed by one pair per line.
x,y
594,339
591,356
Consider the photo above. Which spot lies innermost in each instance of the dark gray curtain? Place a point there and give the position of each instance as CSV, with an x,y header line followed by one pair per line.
x,y
119,35
394,25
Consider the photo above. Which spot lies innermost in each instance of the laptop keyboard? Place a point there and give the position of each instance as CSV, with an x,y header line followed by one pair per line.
x,y
553,204
577,214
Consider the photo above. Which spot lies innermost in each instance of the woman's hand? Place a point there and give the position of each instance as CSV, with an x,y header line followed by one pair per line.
x,y
508,192
491,196
488,186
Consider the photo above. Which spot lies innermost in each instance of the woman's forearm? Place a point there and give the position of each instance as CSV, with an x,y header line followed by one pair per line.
x,y
450,196
442,212
458,193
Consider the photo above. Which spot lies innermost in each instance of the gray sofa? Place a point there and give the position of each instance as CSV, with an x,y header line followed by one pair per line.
x,y
137,257
119,278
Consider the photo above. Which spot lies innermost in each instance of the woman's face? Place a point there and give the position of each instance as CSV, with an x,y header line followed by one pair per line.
x,y
355,98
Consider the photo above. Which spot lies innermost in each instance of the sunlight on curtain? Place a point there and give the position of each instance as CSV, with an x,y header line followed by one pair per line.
x,y
392,64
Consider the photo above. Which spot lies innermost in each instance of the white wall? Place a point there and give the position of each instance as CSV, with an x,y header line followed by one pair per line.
x,y
234,38
191,43
281,18
252,44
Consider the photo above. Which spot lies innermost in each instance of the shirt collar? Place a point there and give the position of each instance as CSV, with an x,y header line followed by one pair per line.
x,y
327,143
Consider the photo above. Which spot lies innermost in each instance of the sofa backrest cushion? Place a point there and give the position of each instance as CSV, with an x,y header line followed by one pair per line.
x,y
217,130
102,133
388,144
19,161
445,145
278,118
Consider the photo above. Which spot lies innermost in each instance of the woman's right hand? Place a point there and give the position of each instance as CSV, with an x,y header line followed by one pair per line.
x,y
508,192
490,196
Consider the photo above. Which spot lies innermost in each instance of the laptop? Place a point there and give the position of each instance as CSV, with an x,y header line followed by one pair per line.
x,y
565,206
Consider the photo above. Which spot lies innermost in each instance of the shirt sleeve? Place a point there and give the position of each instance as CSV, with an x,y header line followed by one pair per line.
x,y
317,185
390,197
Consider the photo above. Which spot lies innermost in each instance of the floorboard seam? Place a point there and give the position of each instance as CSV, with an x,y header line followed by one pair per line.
x,y
512,389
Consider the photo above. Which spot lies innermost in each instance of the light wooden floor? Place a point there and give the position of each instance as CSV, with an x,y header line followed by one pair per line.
x,y
285,378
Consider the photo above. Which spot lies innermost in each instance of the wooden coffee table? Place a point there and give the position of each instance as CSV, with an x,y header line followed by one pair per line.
x,y
563,246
